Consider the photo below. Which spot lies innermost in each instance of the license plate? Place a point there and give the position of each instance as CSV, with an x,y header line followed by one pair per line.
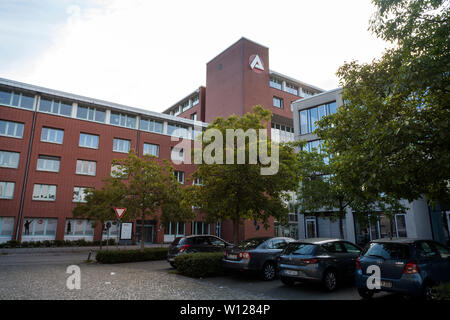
x,y
386,284
291,272
232,256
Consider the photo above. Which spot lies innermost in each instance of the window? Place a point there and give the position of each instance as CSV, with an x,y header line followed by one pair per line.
x,y
275,83
177,154
177,130
332,107
185,106
175,228
151,125
313,116
91,114
56,107
79,194
351,248
198,227
195,100
16,99
276,244
123,120
9,159
151,149
121,145
39,227
118,171
79,227
310,116
44,192
194,116
11,129
46,163
6,226
179,175
311,230
291,89
334,247
52,135
88,141
6,190
304,121
86,167
278,102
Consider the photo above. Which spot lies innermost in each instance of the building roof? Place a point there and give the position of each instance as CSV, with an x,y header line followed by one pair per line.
x,y
304,84
112,105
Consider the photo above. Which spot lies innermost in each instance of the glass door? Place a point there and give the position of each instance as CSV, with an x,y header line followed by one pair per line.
x,y
311,228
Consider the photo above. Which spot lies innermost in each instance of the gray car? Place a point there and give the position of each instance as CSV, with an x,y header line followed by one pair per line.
x,y
319,260
256,254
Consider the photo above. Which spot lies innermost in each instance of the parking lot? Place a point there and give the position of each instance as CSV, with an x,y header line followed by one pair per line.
x,y
43,276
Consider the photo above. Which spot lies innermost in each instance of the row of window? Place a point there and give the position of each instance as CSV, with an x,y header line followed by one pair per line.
x,y
46,192
64,108
290,87
309,117
186,105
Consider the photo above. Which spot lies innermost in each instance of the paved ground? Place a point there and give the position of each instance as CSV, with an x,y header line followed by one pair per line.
x,y
43,276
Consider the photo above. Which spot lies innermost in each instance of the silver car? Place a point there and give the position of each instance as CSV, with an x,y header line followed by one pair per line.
x,y
256,254
320,260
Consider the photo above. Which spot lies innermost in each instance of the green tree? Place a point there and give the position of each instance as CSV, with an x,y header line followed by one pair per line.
x,y
100,203
238,192
392,133
149,188
322,191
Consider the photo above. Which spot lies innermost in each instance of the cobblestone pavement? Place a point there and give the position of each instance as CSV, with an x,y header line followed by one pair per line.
x,y
43,276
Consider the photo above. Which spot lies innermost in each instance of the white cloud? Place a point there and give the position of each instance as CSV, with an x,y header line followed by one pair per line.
x,y
150,54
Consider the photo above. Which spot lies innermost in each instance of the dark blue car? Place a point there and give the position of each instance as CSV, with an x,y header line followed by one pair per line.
x,y
408,266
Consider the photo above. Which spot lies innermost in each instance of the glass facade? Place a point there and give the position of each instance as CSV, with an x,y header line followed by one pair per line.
x,y
309,117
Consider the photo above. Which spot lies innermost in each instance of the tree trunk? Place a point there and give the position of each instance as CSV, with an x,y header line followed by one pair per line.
x,y
142,232
341,225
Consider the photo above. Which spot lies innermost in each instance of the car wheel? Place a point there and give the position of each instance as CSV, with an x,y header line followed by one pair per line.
x,y
365,293
287,281
268,271
427,291
330,280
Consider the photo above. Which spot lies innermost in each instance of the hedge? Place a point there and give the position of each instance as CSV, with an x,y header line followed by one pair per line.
x,y
442,292
200,264
54,243
135,255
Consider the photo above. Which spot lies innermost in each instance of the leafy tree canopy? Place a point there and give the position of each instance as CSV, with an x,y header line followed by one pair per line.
x,y
392,133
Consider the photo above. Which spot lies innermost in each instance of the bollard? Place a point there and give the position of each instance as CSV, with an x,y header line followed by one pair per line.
x,y
89,256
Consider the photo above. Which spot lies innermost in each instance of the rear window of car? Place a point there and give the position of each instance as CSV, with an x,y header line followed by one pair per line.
x,y
251,243
388,251
177,241
300,248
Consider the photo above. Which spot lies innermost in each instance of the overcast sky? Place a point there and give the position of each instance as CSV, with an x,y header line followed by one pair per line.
x,y
150,54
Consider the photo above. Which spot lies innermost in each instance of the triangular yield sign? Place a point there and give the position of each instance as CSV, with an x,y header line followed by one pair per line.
x,y
120,212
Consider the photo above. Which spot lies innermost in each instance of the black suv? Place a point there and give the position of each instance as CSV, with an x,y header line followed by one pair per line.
x,y
190,244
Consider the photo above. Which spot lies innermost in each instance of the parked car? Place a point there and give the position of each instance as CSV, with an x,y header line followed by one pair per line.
x,y
256,254
408,266
324,260
190,244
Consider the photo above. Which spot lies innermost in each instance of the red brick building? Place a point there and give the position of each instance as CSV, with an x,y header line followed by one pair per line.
x,y
54,145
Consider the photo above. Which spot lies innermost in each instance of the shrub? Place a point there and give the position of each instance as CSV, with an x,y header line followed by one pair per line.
x,y
121,256
442,292
12,244
200,264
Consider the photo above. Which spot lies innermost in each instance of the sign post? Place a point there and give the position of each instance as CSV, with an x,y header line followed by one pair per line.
x,y
119,213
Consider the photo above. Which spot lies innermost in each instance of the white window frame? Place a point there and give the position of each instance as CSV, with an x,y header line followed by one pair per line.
x,y
85,139
47,138
9,155
150,145
118,143
85,223
7,189
45,159
314,220
40,188
33,231
177,176
90,162
16,126
81,191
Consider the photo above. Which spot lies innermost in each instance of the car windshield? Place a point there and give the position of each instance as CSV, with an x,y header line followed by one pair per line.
x,y
300,248
251,243
387,251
